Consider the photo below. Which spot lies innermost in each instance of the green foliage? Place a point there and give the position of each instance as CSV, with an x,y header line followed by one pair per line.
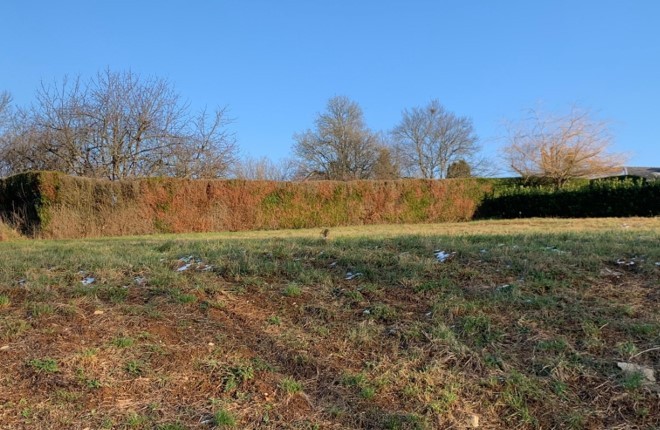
x,y
223,418
578,199
290,386
46,365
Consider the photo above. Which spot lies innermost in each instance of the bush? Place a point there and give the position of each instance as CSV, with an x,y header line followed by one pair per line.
x,y
61,206
613,197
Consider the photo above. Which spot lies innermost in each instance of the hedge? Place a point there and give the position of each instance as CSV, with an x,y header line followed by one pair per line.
x,y
54,205
615,197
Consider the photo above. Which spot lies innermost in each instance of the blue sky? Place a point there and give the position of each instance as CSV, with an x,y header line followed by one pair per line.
x,y
276,63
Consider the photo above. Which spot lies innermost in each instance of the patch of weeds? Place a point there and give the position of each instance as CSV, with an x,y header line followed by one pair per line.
x,y
518,392
123,342
632,381
93,384
171,426
369,288
553,345
183,298
354,295
65,396
367,393
274,320
222,418
560,388
642,330
136,420
292,290
290,385
10,328
382,312
261,365
574,421
592,335
479,329
135,367
443,284
237,375
116,294
402,422
626,348
4,300
45,365
39,309
540,302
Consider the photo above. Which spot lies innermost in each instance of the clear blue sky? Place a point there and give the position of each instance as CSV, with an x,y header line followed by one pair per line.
x,y
275,63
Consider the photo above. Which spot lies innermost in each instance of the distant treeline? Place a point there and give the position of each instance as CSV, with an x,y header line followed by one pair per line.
x,y
54,205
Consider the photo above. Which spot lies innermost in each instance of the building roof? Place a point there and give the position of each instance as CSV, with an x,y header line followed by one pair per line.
x,y
642,172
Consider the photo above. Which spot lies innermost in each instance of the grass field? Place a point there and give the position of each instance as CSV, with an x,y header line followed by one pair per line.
x,y
521,326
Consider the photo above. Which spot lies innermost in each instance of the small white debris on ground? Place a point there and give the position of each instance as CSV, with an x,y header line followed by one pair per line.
x,y
88,280
351,275
657,263
4,348
625,262
98,312
443,256
553,249
473,421
632,368
191,262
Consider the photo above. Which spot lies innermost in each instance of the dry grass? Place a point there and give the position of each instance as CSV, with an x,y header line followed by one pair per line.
x,y
521,328
7,233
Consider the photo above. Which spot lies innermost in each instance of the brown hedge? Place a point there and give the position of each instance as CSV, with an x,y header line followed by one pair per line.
x,y
54,205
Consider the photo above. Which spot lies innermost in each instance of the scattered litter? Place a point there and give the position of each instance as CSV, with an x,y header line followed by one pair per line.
x,y
98,312
191,262
22,282
366,312
504,287
554,249
657,263
4,348
473,421
443,256
88,280
631,368
351,275
140,280
625,262
333,264
483,251
429,314
184,267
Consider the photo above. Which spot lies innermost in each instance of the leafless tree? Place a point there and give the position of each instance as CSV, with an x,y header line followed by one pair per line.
x,y
431,138
118,125
561,147
263,169
341,147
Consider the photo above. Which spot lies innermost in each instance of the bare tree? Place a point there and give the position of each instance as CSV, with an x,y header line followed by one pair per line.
x,y
263,169
558,148
341,147
431,138
118,125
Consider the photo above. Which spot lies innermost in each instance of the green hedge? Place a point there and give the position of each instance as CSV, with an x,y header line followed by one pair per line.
x,y
615,197
54,205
